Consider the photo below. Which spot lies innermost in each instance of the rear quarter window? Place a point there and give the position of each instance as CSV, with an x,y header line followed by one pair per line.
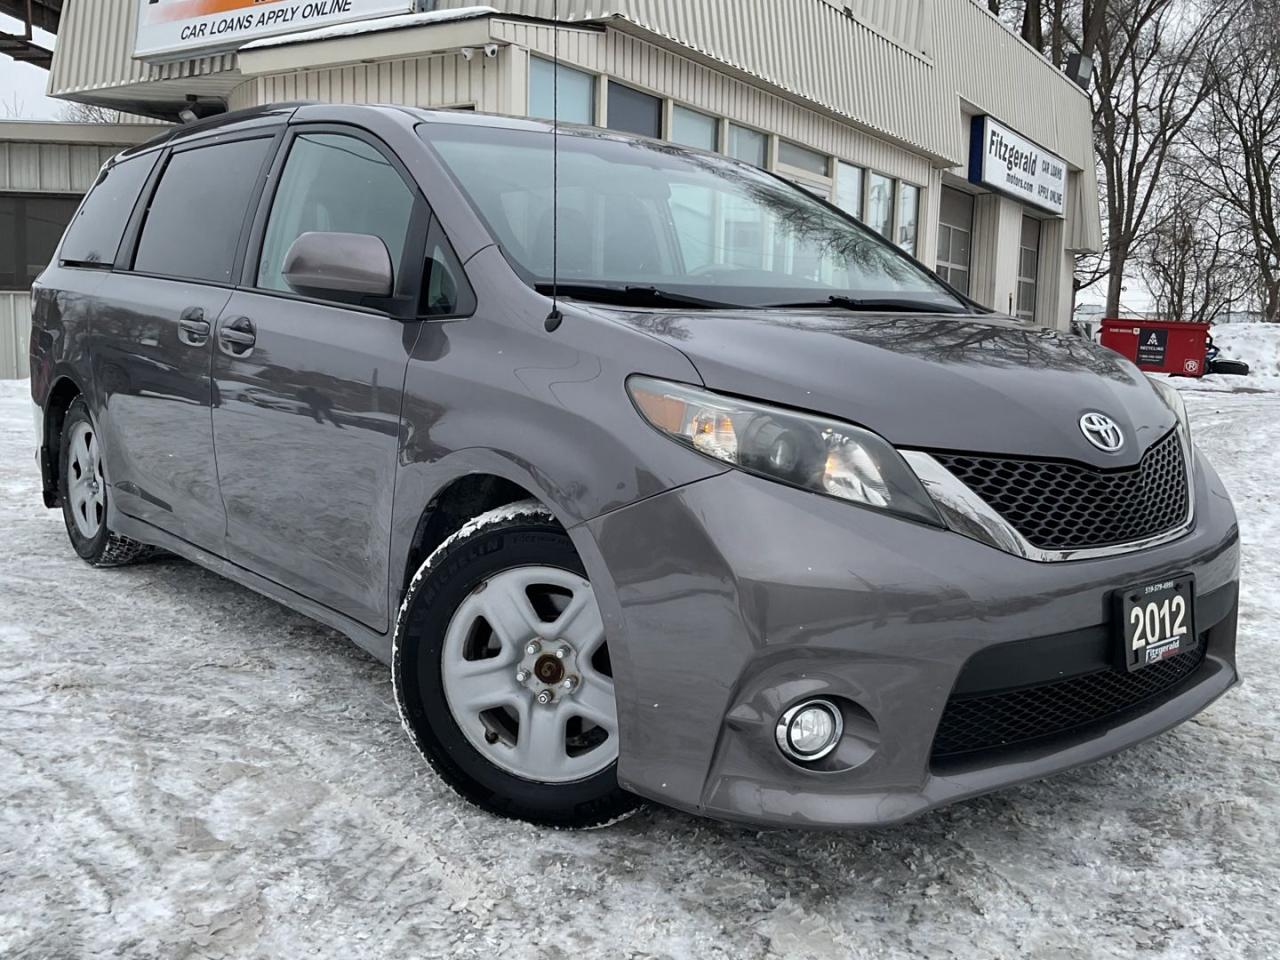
x,y
94,235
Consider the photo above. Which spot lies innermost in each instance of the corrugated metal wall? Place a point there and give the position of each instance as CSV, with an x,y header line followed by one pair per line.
x,y
15,334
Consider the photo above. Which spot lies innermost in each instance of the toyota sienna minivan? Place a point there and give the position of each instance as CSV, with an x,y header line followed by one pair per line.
x,y
648,473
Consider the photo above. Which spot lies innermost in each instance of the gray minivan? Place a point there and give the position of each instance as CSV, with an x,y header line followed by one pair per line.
x,y
648,473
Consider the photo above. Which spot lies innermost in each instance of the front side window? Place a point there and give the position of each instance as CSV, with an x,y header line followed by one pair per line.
x,y
30,228
334,183
93,239
641,214
577,98
197,213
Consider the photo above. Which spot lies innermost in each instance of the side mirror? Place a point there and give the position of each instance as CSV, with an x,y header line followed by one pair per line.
x,y
347,264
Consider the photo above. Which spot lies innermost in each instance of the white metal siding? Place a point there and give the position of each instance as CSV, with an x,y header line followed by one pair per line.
x,y
15,334
51,167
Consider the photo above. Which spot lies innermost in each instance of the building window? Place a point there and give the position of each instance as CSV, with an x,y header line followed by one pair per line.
x,y
801,158
908,216
955,236
577,93
849,189
30,228
880,204
1028,268
693,129
750,146
631,111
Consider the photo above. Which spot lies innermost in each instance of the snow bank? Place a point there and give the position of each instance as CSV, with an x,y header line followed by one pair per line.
x,y
1257,344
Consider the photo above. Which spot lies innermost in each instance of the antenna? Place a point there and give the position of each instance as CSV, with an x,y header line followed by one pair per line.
x,y
555,317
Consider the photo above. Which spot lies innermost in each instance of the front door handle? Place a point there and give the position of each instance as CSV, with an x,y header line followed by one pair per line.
x,y
193,328
238,337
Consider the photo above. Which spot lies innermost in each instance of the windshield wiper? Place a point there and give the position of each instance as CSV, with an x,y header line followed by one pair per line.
x,y
625,295
871,304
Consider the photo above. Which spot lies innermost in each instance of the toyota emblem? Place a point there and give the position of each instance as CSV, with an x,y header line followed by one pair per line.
x,y
1103,432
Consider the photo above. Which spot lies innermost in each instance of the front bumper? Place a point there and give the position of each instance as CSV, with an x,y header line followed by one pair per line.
x,y
733,597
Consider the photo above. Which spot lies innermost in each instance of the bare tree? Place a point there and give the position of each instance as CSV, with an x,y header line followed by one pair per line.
x,y
90,113
1237,144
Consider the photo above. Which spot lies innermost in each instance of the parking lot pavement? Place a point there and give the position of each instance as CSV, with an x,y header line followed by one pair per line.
x,y
189,770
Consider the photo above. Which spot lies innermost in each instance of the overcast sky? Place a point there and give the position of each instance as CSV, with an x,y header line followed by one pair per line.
x,y
22,85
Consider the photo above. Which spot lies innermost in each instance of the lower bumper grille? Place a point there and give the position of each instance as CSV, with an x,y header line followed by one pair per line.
x,y
988,721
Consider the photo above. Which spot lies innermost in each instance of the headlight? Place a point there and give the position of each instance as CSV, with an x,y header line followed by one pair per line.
x,y
813,453
1172,398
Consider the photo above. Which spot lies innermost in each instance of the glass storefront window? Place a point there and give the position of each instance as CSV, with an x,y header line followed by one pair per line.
x,y
631,111
750,146
849,189
694,129
1028,268
577,93
908,216
801,158
880,204
955,236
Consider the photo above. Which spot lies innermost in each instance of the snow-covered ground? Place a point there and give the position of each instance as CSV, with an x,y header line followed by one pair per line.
x,y
189,770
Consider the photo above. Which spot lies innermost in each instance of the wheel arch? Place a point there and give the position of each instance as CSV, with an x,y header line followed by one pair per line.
x,y
64,391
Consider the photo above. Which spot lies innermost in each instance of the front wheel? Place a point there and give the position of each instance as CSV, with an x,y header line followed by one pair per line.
x,y
502,673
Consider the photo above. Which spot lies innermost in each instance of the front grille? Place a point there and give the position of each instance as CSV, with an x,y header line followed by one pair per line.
x,y
1071,506
989,721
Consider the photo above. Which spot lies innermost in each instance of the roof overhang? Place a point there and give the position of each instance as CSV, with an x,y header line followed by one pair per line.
x,y
33,15
100,134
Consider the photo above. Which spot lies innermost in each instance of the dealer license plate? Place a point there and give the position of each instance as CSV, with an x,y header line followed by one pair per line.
x,y
1158,621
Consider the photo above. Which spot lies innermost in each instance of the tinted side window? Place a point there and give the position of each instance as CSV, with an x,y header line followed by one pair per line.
x,y
193,224
445,289
333,183
94,235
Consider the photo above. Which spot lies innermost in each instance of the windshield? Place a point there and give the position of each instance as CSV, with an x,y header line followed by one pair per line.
x,y
644,214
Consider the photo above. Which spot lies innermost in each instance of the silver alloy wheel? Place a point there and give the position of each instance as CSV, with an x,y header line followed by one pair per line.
x,y
86,488
522,677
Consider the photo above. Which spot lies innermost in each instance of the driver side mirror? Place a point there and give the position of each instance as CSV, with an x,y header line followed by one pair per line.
x,y
347,265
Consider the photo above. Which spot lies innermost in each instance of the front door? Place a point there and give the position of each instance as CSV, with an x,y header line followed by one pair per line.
x,y
153,329
308,414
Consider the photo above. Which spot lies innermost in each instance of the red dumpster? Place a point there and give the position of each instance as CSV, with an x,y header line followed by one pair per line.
x,y
1159,346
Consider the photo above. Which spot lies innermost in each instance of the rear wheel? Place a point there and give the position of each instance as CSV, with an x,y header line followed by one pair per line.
x,y
83,491
502,673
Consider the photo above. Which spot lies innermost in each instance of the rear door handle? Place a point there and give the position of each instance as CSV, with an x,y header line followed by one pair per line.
x,y
238,337
193,328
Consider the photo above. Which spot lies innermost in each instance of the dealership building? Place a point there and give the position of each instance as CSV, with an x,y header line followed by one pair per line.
x,y
926,119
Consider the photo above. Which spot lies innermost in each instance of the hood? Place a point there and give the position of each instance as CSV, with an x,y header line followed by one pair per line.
x,y
942,383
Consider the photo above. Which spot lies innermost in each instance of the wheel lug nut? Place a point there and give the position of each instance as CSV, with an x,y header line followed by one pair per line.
x,y
570,683
562,653
522,676
533,648
545,697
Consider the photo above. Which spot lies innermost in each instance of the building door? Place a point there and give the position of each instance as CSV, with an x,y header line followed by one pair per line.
x,y
955,238
1028,268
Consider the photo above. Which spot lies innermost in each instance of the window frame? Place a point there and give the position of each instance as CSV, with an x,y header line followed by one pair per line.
x,y
404,303
127,254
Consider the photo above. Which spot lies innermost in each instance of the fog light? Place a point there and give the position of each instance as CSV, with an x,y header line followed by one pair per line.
x,y
810,730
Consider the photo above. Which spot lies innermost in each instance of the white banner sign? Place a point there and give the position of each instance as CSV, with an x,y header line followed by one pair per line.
x,y
1006,161
171,29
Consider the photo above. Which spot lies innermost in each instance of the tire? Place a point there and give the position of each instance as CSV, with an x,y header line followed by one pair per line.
x,y
1231,368
83,491
467,680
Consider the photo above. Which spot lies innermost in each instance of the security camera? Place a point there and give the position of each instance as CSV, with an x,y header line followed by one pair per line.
x,y
468,54
187,115
490,50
